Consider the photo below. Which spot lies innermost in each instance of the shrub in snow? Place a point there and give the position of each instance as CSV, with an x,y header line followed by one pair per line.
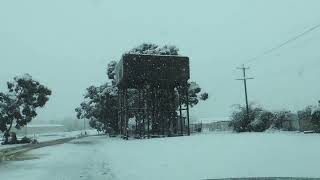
x,y
262,121
305,114
241,121
282,120
25,140
309,118
315,120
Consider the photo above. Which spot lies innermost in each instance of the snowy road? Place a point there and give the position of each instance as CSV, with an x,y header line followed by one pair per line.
x,y
79,159
205,156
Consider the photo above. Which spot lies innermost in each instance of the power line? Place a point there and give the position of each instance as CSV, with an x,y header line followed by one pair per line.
x,y
256,58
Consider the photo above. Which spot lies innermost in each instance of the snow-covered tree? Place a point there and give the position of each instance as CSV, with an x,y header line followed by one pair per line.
x,y
153,49
204,96
111,71
100,107
18,106
99,126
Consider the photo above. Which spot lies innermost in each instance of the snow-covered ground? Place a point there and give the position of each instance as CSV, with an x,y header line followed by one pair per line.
x,y
214,155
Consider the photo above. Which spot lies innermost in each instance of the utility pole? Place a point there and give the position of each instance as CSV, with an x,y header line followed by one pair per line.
x,y
84,126
244,79
26,130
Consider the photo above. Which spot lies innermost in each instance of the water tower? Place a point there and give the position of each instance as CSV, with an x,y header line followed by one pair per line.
x,y
153,79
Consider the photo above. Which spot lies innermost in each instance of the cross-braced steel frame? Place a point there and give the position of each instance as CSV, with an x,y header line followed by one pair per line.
x,y
150,119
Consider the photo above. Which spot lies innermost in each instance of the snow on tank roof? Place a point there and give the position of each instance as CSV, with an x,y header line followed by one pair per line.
x,y
138,54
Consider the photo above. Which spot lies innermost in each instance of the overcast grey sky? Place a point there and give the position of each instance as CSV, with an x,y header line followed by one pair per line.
x,y
66,44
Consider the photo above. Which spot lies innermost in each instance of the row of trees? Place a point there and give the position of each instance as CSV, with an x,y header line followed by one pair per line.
x,y
19,104
259,119
100,102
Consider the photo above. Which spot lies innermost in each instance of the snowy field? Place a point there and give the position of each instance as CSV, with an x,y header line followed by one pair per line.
x,y
204,156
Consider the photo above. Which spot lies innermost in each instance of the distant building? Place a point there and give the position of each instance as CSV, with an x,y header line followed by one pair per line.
x,y
212,124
